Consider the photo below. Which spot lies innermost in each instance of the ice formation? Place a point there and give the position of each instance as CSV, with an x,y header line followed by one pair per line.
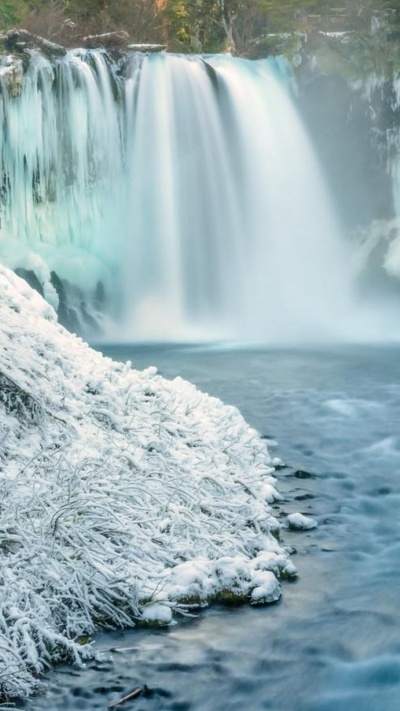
x,y
124,496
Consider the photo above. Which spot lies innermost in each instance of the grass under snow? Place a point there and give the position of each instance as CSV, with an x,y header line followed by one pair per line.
x,y
123,496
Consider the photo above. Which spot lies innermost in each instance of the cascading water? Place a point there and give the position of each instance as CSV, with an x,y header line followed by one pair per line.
x,y
185,186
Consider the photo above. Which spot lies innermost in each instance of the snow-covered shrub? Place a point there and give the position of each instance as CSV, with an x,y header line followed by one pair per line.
x,y
123,496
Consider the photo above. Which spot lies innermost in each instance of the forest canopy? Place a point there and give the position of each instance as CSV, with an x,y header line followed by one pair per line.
x,y
239,26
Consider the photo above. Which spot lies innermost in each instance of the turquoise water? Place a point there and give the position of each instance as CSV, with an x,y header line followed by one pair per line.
x,y
332,643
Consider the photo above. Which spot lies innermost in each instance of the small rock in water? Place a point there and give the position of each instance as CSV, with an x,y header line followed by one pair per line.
x,y
162,614
267,589
278,463
302,474
298,522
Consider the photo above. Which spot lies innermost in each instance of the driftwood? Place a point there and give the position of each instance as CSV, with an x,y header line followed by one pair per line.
x,y
120,39
133,695
107,39
17,41
147,47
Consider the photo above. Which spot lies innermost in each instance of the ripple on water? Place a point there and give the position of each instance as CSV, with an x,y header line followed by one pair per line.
x,y
353,407
367,685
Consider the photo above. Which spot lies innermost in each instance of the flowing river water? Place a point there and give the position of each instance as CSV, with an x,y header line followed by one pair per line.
x,y
332,643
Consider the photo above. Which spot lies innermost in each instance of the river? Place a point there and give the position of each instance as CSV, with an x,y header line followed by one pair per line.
x,y
332,643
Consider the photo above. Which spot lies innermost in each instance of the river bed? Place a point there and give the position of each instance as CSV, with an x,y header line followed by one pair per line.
x,y
332,643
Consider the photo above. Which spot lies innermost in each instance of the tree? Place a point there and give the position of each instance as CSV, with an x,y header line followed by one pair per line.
x,y
193,25
213,25
207,25
138,17
12,12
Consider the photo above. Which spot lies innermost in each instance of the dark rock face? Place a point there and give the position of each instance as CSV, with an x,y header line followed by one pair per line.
x,y
100,295
349,133
80,313
75,312
30,277
351,109
67,315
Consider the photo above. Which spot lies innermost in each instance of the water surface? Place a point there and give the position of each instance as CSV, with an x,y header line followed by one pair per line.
x,y
332,643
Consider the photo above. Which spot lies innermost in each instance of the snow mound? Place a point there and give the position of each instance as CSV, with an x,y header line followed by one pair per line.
x,y
299,522
124,496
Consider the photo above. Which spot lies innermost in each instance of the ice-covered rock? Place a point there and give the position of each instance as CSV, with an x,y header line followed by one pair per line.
x,y
11,75
298,522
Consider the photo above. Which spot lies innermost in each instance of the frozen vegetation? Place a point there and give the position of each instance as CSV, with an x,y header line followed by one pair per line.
x,y
124,496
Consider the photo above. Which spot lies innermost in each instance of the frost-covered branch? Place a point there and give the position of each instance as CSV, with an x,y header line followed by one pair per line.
x,y
124,496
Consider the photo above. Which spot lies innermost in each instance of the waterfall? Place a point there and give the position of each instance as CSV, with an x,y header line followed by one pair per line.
x,y
185,188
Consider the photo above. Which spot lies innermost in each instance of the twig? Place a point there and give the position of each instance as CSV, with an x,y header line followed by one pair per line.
x,y
133,695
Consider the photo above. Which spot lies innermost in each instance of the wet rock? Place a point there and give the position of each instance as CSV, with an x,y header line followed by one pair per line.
x,y
278,463
67,316
100,295
31,278
78,311
302,474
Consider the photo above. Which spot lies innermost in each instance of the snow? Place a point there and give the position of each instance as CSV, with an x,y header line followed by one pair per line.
x,y
124,496
298,522
344,36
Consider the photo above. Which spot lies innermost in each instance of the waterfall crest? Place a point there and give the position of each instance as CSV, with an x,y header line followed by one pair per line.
x,y
186,187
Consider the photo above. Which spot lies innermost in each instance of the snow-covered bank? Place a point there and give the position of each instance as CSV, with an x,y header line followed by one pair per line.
x,y
123,495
